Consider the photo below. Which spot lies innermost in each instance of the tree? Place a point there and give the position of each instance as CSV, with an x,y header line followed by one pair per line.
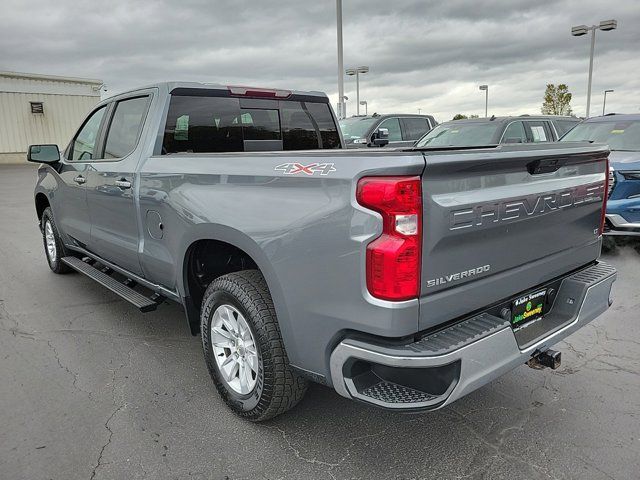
x,y
557,100
461,116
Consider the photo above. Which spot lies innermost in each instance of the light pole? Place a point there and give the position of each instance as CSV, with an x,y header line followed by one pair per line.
x,y
341,104
357,71
604,103
580,30
366,109
419,110
486,99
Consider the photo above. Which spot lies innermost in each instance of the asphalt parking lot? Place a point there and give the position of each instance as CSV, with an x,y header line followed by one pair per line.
x,y
92,389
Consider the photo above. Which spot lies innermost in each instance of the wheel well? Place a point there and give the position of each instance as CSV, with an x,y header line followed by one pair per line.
x,y
205,261
42,202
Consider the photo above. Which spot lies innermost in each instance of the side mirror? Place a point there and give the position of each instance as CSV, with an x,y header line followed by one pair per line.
x,y
43,154
381,137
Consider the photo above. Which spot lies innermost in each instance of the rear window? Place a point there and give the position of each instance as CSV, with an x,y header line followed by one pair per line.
x,y
620,135
198,124
458,134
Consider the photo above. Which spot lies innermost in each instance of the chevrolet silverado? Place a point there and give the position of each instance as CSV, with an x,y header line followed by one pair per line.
x,y
402,278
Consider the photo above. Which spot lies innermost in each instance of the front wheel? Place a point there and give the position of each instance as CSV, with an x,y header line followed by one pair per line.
x,y
53,246
244,350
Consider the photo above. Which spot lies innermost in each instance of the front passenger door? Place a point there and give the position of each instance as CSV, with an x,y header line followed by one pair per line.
x,y
395,134
70,202
514,133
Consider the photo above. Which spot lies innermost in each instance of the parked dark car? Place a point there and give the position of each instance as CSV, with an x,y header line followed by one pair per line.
x,y
404,129
622,134
496,130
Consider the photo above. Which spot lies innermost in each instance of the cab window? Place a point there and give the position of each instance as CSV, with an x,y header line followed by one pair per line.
x,y
514,133
415,127
539,131
84,143
125,127
393,125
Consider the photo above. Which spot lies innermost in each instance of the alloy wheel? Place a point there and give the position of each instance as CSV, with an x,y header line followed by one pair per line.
x,y
234,349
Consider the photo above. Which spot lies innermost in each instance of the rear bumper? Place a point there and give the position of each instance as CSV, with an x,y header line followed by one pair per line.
x,y
444,366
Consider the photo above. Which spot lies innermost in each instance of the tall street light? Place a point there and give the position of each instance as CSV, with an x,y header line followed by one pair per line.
x,y
580,30
364,102
604,103
341,104
357,71
486,99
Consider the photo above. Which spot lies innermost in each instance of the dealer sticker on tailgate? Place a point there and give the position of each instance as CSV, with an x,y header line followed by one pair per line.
x,y
527,308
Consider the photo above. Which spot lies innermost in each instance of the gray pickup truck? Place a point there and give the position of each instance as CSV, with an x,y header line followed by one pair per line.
x,y
401,278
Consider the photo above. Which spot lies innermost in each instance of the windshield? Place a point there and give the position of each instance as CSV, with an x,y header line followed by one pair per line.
x,y
623,135
355,127
460,135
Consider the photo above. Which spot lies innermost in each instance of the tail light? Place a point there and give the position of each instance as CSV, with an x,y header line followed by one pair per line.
x,y
393,258
258,92
605,195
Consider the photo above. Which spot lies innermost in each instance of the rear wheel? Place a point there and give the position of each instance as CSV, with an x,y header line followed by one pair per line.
x,y
243,348
53,246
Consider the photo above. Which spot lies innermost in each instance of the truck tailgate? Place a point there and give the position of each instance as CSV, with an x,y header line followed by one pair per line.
x,y
500,221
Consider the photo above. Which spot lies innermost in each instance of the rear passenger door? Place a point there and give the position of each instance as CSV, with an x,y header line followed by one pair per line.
x,y
112,182
539,131
413,128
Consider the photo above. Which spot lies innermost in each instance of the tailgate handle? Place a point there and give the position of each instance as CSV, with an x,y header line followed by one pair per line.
x,y
545,165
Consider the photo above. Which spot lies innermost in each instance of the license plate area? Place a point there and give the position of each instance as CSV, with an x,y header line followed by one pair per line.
x,y
528,308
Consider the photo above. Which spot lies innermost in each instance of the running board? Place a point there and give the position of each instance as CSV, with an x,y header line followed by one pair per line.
x,y
144,304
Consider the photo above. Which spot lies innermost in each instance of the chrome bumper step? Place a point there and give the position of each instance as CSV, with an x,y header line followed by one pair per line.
x,y
448,364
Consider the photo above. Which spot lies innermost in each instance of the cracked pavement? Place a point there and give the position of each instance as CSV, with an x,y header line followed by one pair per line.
x,y
92,389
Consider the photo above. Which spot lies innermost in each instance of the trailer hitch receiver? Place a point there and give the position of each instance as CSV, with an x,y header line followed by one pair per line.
x,y
547,359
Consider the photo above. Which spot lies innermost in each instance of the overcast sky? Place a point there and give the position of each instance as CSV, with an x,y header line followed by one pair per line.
x,y
422,54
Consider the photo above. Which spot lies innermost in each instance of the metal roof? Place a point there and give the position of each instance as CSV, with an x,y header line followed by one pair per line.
x,y
51,78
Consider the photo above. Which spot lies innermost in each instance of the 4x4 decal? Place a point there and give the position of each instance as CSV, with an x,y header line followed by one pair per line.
x,y
311,169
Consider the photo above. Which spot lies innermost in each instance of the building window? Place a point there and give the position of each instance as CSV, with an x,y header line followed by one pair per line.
x,y
37,107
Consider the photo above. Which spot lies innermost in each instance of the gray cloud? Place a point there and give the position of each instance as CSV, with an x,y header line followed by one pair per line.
x,y
423,54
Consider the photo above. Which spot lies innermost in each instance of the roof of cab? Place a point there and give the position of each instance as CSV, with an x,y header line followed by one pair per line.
x,y
614,117
515,117
173,85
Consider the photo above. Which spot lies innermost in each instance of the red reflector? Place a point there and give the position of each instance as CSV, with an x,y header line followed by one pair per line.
x,y
605,195
393,259
258,92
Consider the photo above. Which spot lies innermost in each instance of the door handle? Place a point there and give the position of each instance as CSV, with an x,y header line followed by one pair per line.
x,y
80,180
124,184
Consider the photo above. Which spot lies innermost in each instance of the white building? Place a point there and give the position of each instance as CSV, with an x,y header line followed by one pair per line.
x,y
39,109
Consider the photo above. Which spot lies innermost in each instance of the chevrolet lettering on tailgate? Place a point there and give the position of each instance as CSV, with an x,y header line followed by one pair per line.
x,y
491,213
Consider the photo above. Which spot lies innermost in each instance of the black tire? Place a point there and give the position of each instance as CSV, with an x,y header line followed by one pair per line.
x,y
53,260
278,388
